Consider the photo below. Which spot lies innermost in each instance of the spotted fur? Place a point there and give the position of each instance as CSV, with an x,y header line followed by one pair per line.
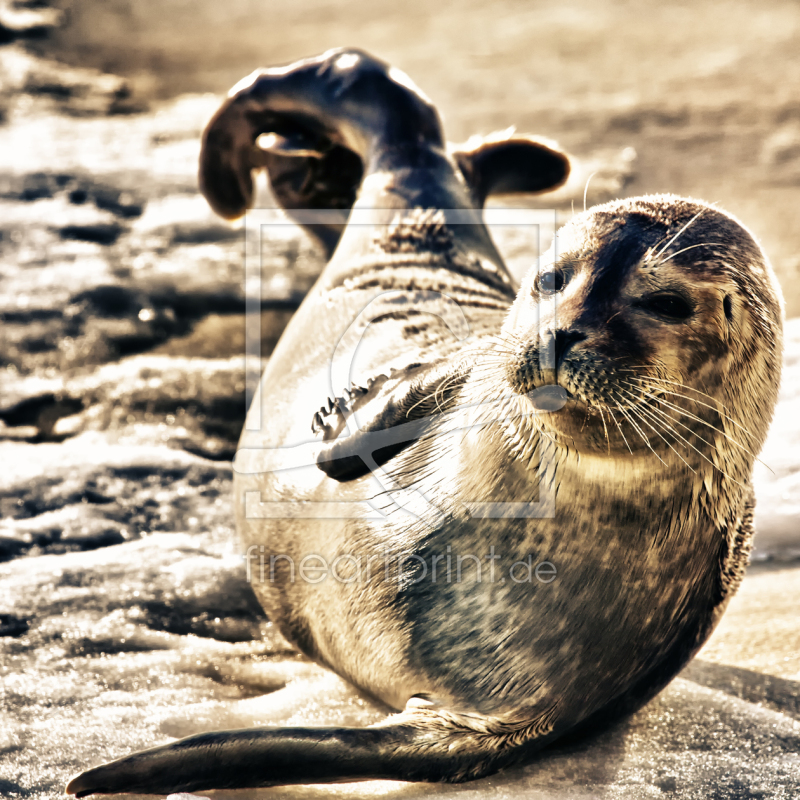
x,y
664,356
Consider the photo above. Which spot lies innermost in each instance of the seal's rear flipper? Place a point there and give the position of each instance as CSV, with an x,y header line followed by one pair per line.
x,y
429,747
509,163
329,116
342,106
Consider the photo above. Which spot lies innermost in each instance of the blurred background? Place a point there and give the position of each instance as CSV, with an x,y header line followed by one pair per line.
x,y
706,92
124,615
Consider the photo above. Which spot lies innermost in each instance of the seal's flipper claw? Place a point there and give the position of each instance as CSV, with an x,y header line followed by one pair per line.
x,y
509,163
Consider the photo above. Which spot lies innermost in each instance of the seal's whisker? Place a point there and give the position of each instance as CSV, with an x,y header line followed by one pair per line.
x,y
712,408
663,419
714,447
667,419
546,435
494,352
496,357
483,352
641,433
664,415
624,439
655,393
492,345
605,429
418,403
699,452
699,402
694,417
690,247
585,418
586,189
665,426
503,338
636,368
643,416
686,386
668,429
656,245
422,400
684,228
443,387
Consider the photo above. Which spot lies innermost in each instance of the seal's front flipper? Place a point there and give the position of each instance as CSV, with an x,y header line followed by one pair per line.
x,y
245,759
409,747
386,417
509,163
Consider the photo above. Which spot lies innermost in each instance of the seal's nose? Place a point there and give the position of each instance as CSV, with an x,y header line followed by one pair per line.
x,y
553,348
564,341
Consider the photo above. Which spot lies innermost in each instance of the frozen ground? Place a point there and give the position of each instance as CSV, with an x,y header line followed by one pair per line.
x,y
125,619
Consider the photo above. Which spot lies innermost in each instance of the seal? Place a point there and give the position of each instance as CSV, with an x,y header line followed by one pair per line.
x,y
511,513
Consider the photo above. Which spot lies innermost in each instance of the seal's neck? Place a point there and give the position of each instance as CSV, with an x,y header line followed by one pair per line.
x,y
506,439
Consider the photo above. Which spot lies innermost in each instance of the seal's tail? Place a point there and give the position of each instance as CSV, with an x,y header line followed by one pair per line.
x,y
318,127
404,749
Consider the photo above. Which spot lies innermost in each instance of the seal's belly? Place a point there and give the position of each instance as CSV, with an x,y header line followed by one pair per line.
x,y
485,615
537,627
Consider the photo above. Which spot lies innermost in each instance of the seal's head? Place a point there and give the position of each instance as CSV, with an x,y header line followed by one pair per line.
x,y
657,320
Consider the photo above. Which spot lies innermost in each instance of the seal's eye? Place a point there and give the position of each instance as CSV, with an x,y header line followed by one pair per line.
x,y
550,282
672,306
